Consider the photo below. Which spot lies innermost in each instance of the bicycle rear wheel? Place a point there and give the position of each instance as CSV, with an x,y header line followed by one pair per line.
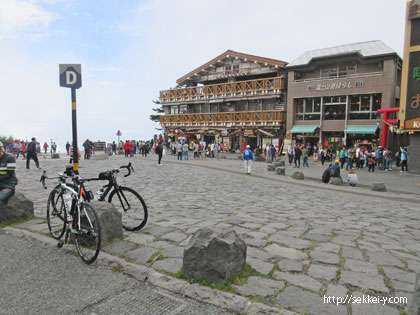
x,y
132,207
56,213
87,236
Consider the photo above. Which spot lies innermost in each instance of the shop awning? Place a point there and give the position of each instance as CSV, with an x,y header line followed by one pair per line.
x,y
366,130
303,129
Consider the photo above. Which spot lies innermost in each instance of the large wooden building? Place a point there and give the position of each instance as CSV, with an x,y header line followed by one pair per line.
x,y
234,98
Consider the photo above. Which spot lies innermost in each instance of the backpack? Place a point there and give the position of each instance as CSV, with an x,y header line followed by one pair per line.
x,y
31,147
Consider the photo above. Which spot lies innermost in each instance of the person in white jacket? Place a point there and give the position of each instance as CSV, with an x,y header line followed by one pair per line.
x,y
352,178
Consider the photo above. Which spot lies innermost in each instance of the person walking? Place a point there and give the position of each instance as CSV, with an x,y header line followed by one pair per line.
x,y
298,153
290,153
127,146
185,150
31,153
388,156
305,156
159,152
179,150
342,155
8,179
114,148
195,150
267,153
68,148
248,158
404,159
45,146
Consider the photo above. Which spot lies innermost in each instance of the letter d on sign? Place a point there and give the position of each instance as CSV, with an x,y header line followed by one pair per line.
x,y
71,77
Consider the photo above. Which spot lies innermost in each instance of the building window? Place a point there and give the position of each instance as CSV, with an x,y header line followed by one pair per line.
x,y
235,68
183,109
205,108
335,107
364,106
308,108
359,84
174,110
311,88
338,70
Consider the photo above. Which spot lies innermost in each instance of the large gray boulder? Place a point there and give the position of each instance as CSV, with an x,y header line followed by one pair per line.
x,y
271,167
213,255
336,181
281,170
280,163
378,186
18,207
298,176
55,156
260,158
110,220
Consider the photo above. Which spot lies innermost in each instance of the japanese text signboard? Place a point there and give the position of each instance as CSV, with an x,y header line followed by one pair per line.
x,y
410,83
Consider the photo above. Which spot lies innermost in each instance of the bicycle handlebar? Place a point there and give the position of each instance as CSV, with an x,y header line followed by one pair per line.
x,y
129,167
44,177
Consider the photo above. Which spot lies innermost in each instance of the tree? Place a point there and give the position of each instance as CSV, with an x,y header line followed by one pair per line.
x,y
158,111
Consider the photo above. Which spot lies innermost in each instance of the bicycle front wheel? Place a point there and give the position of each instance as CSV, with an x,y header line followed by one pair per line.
x,y
56,213
132,207
87,235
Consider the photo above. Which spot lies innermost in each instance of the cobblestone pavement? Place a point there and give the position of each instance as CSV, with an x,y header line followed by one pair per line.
x,y
305,240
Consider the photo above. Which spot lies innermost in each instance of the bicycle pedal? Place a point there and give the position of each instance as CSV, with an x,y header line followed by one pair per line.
x,y
60,244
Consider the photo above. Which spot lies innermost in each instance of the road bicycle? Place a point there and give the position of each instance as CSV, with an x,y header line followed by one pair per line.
x,y
69,214
126,200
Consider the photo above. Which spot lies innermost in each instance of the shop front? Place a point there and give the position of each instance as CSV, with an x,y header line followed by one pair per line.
x,y
305,134
361,134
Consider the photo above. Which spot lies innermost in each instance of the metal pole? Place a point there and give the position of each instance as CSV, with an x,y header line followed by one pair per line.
x,y
74,127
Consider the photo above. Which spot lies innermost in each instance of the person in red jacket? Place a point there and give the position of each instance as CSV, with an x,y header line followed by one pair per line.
x,y
127,146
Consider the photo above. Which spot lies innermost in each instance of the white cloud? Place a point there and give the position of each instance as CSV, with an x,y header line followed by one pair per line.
x,y
17,14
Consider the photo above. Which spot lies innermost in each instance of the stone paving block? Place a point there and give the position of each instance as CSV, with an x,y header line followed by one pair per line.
x,y
317,237
259,265
259,235
298,299
259,253
172,265
361,266
286,252
257,286
299,280
322,272
252,226
413,265
336,290
400,275
326,258
161,244
223,299
290,241
371,308
352,252
370,246
174,237
175,252
255,242
140,238
158,230
364,281
402,286
328,247
384,259
290,265
30,223
141,254
119,247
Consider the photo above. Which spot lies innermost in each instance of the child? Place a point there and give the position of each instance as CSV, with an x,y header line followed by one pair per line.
x,y
352,178
371,163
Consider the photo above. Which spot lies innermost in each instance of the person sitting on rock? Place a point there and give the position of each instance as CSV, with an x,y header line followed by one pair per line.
x,y
352,178
336,169
327,174
8,179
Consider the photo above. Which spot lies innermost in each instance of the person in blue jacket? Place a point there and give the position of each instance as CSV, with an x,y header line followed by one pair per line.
x,y
248,158
404,159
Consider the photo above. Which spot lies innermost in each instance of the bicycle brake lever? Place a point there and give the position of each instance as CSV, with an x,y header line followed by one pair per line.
x,y
42,180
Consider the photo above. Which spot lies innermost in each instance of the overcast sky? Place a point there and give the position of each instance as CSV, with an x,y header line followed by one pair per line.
x,y
131,49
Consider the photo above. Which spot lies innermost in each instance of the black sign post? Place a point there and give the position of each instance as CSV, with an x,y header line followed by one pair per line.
x,y
71,77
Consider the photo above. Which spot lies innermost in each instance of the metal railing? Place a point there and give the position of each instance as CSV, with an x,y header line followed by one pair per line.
x,y
204,119
232,89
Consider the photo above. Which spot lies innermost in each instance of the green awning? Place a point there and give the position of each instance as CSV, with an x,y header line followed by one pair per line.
x,y
367,130
303,129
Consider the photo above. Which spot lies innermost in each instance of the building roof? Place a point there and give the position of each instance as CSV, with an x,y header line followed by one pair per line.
x,y
365,49
227,54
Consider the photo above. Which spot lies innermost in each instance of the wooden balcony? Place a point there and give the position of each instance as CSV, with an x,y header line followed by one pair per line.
x,y
224,90
272,117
